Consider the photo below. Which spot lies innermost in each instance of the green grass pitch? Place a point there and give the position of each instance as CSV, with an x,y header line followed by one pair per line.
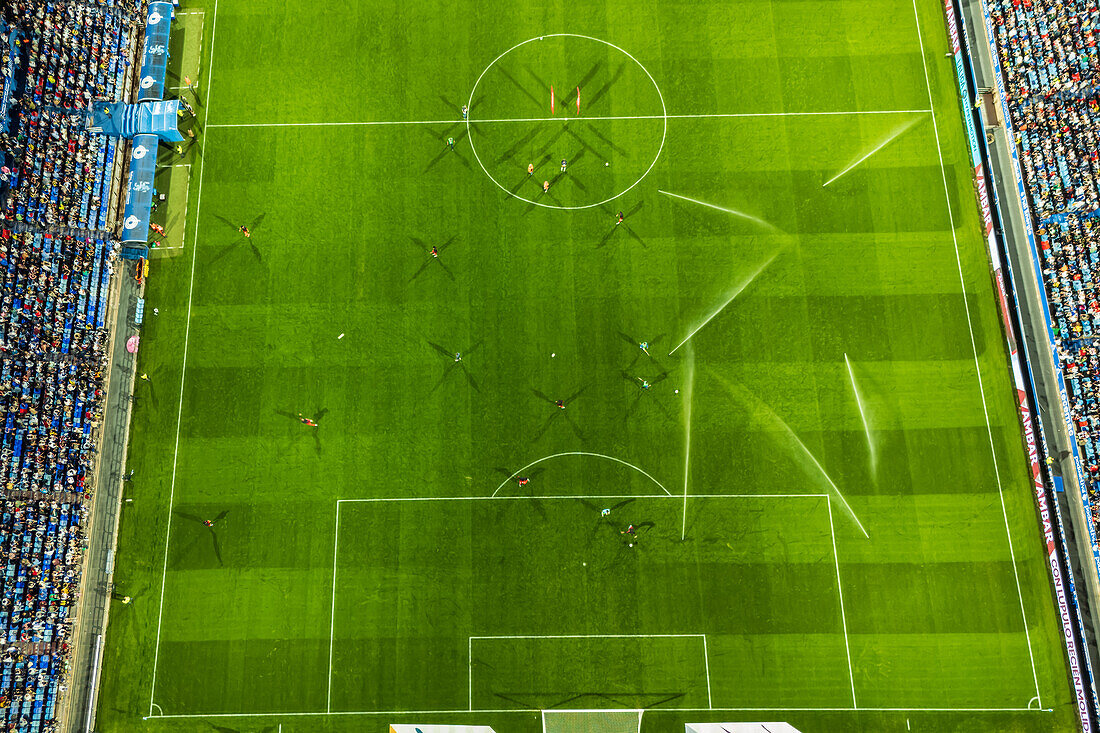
x,y
387,566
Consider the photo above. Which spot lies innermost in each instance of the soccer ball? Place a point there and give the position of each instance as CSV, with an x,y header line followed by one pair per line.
x,y
606,164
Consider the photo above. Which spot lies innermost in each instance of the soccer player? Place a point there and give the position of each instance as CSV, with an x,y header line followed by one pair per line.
x,y
458,356
645,384
644,346
451,142
564,162
145,377
619,219
560,404
434,252
605,512
306,421
530,169
207,523
523,481
545,186
465,111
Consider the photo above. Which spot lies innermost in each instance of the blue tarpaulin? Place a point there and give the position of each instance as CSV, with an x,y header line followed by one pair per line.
x,y
155,62
139,190
118,119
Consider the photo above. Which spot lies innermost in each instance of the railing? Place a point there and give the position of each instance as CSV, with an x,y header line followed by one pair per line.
x,y
1073,629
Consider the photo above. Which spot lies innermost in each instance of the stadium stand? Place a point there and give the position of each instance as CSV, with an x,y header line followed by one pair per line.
x,y
56,260
1048,50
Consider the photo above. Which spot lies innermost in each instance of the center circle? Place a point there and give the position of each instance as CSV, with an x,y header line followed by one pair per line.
x,y
530,117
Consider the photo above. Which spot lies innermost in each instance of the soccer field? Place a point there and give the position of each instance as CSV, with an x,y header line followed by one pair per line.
x,y
817,450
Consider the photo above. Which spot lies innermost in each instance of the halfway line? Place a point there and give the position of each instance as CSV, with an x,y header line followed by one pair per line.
x,y
716,115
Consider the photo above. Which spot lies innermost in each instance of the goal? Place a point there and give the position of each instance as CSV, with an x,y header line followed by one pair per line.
x,y
592,721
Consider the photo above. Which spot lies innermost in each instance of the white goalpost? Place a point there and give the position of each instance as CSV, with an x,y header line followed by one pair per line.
x,y
592,721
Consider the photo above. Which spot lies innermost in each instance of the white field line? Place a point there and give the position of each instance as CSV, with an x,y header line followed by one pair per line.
x,y
589,636
183,376
840,594
186,199
717,115
332,618
974,349
582,453
579,496
706,663
470,640
529,711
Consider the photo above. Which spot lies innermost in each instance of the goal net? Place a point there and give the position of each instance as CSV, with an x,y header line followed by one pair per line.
x,y
591,721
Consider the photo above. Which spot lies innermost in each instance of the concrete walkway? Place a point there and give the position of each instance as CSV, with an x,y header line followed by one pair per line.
x,y
103,533
1029,299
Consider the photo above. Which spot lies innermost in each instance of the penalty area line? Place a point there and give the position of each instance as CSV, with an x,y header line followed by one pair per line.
x,y
610,118
580,496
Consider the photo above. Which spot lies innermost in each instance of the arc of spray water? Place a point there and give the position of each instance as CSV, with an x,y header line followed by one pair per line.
x,y
740,214
862,415
733,294
743,396
889,139
689,384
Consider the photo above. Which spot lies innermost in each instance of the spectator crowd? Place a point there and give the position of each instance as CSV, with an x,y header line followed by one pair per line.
x,y
1049,58
56,258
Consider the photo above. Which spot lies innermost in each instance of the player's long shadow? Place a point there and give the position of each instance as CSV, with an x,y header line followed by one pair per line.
x,y
213,534
511,152
529,176
553,139
450,355
544,194
530,475
427,250
229,248
568,700
569,176
317,415
222,729
435,161
607,86
604,139
583,143
559,412
603,522
636,344
542,84
648,395
148,386
457,109
525,90
624,226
